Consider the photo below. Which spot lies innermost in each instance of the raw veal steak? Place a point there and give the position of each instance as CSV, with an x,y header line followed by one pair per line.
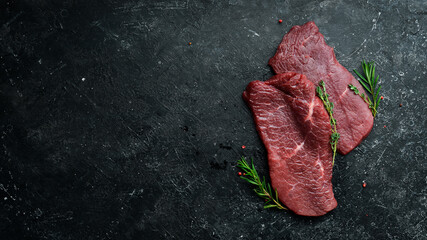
x,y
294,126
303,50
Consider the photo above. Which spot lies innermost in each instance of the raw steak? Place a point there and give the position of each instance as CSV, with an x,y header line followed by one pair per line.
x,y
294,127
303,50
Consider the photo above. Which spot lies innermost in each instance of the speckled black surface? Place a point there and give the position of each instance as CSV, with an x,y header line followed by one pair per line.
x,y
114,127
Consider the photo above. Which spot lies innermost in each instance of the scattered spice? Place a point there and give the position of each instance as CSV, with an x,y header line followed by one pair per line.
x,y
244,174
189,43
400,105
280,20
243,146
364,184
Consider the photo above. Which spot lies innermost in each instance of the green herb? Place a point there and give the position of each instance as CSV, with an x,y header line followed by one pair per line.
x,y
362,95
263,188
369,82
321,92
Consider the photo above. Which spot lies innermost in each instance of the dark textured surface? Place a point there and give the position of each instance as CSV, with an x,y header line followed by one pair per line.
x,y
113,127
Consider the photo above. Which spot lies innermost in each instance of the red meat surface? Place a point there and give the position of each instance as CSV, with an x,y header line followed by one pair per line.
x,y
294,127
304,50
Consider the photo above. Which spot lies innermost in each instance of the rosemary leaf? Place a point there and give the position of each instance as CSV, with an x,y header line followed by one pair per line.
x,y
269,206
263,189
369,82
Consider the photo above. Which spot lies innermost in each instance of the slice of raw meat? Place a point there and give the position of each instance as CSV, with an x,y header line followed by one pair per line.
x,y
294,127
303,50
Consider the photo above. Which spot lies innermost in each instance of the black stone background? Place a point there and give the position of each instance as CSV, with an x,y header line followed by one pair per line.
x,y
114,127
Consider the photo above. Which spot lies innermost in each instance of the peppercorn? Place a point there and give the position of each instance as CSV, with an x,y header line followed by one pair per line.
x,y
243,146
240,173
280,20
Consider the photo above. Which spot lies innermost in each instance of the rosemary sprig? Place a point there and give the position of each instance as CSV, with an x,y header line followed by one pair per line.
x,y
263,188
329,106
369,82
